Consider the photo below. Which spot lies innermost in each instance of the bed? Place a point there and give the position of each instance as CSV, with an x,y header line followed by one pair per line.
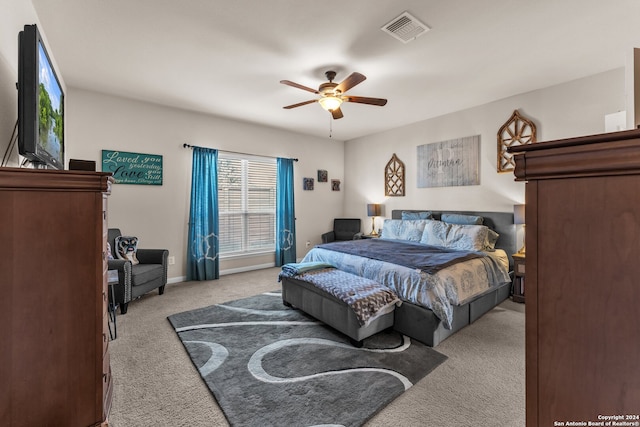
x,y
438,303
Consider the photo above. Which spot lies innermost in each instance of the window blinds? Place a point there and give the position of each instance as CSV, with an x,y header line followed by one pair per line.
x,y
247,200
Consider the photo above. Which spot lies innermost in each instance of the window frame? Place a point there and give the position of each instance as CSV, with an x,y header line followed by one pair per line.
x,y
246,212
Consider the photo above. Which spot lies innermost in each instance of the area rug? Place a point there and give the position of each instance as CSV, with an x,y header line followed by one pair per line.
x,y
269,365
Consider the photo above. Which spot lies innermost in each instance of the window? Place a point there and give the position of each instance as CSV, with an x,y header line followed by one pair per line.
x,y
246,204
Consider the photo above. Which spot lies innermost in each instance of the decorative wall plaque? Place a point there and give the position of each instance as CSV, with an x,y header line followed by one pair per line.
x,y
394,177
455,162
133,168
516,131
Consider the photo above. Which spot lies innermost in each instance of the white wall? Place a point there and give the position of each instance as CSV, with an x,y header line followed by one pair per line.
x,y
158,215
15,14
572,109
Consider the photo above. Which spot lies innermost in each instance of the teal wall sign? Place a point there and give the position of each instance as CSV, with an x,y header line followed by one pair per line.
x,y
133,168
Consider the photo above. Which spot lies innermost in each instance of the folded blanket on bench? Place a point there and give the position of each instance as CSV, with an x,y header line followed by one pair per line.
x,y
292,269
367,299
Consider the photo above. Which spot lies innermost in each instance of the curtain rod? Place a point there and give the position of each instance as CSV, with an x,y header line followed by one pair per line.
x,y
185,145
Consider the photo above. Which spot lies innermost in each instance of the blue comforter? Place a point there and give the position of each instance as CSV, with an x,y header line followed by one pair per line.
x,y
440,291
429,259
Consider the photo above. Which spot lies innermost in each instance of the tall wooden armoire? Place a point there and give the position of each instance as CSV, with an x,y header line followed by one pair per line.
x,y
583,277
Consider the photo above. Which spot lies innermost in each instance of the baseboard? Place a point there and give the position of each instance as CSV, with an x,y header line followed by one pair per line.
x,y
225,272
247,268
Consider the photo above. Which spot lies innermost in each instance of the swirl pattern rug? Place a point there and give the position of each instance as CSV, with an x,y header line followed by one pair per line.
x,y
269,365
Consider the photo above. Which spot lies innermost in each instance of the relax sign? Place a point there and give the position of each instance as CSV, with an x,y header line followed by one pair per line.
x,y
133,168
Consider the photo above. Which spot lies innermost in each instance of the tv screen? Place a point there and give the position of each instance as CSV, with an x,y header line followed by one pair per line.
x,y
40,103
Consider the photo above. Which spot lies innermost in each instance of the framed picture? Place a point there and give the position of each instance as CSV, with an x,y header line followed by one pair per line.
x,y
307,183
455,162
335,184
133,168
322,175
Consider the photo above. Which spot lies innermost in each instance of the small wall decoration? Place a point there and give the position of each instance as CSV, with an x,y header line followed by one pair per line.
x,y
394,177
449,163
335,184
516,131
307,183
133,168
322,175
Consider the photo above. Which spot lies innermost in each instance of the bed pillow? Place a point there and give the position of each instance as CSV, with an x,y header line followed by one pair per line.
x,y
471,238
435,233
462,219
492,239
417,215
399,229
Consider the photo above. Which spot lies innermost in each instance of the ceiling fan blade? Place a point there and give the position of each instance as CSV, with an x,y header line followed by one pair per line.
x,y
337,113
364,100
300,104
299,86
351,81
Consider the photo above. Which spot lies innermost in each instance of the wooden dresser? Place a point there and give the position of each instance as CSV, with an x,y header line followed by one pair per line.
x,y
583,278
54,358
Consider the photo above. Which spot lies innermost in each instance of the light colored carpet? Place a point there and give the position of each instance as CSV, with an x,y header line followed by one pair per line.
x,y
155,383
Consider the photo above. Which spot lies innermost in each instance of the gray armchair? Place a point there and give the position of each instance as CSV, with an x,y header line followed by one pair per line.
x,y
343,229
136,280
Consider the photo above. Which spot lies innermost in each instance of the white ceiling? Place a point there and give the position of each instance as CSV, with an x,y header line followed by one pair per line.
x,y
226,58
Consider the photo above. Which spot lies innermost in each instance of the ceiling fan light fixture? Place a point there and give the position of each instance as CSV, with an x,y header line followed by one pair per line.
x,y
330,103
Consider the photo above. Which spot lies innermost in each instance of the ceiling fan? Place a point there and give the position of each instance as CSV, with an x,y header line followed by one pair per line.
x,y
332,95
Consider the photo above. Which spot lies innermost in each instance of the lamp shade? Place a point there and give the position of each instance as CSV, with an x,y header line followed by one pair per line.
x,y
330,103
518,214
374,209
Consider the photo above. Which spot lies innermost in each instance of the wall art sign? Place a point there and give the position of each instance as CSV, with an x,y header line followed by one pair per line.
x,y
449,163
133,168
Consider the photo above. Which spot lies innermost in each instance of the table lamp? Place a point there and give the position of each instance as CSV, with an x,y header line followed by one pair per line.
x,y
373,210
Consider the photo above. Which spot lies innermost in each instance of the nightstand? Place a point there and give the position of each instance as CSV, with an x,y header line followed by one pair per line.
x,y
517,288
369,236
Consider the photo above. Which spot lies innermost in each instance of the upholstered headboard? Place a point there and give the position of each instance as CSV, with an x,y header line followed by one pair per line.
x,y
500,222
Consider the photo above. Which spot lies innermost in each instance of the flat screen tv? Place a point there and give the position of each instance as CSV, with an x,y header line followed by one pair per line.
x,y
40,103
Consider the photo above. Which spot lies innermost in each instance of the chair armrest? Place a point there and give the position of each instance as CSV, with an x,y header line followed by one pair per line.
x,y
123,266
118,264
328,237
152,256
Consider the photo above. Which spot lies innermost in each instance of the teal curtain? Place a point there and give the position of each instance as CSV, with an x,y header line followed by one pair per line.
x,y
285,214
202,247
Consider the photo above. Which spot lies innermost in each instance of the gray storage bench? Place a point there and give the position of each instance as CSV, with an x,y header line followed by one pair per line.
x,y
331,310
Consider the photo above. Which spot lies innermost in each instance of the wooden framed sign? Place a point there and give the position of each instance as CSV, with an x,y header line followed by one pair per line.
x,y
449,163
133,168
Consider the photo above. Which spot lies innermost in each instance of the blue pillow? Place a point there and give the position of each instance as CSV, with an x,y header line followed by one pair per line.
x,y
417,215
461,219
398,229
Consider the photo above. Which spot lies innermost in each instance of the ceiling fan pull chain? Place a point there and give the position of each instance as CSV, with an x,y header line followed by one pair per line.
x,y
330,127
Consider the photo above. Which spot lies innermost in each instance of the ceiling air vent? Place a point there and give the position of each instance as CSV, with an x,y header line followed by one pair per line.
x,y
405,28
